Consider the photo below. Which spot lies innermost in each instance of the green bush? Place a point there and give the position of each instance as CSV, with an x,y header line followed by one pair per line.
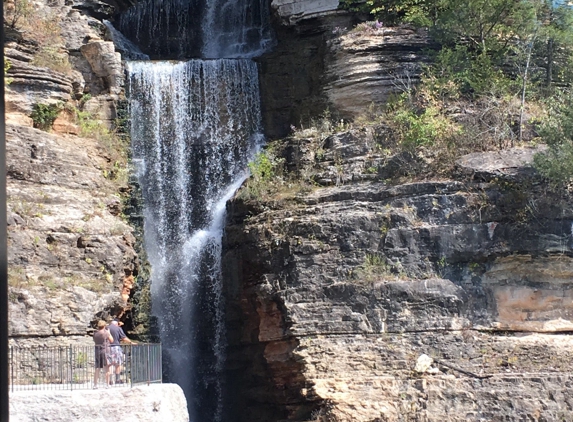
x,y
557,132
44,115
262,168
265,171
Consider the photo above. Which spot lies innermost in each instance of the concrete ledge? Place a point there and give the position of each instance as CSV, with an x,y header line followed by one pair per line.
x,y
157,403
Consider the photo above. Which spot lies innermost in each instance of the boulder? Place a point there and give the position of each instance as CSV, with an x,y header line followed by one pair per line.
x,y
105,63
510,163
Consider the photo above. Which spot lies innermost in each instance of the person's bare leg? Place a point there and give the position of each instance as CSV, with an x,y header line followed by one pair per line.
x,y
96,376
107,371
117,373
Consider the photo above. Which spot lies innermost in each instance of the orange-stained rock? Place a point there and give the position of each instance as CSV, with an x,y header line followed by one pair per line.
x,y
271,324
127,286
65,123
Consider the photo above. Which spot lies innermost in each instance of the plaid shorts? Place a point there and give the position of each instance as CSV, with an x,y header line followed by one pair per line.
x,y
115,355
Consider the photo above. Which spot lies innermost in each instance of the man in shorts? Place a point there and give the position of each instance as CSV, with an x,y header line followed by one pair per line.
x,y
116,353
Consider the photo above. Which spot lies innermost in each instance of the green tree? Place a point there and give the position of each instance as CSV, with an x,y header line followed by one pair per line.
x,y
554,48
557,132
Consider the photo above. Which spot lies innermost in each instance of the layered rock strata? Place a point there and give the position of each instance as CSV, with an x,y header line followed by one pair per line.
x,y
336,294
292,11
72,256
68,248
323,62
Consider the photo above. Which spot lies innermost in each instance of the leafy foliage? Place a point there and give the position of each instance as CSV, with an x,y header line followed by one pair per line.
x,y
266,171
497,28
44,115
557,131
418,12
501,67
422,128
7,66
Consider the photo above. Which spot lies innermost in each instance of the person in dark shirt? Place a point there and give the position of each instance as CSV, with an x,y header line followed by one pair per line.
x,y
102,339
116,353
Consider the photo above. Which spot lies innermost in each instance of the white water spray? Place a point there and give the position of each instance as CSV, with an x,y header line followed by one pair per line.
x,y
195,126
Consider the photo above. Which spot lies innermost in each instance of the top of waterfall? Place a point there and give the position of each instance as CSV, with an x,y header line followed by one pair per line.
x,y
214,29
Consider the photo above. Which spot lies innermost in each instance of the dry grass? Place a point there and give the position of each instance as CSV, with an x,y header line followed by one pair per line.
x,y
42,26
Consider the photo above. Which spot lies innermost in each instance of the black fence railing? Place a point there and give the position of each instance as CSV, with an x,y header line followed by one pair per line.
x,y
73,367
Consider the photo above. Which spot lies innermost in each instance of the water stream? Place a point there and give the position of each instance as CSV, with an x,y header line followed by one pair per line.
x,y
195,125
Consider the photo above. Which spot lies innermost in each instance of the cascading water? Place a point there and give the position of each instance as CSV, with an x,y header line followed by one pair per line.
x,y
210,29
194,126
237,29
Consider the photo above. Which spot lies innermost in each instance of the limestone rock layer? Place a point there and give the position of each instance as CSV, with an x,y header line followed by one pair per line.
x,y
337,293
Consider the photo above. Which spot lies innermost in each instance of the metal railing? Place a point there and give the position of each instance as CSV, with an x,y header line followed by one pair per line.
x,y
73,367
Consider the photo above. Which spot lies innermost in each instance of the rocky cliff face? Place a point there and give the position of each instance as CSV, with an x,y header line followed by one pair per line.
x,y
321,62
336,294
71,254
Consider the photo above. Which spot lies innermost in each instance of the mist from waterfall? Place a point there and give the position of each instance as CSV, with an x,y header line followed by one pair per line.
x,y
195,126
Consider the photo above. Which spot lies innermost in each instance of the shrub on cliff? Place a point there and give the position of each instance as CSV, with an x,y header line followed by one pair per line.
x,y
557,132
44,115
265,175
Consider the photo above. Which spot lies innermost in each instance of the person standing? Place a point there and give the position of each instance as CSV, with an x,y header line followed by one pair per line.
x,y
116,353
102,339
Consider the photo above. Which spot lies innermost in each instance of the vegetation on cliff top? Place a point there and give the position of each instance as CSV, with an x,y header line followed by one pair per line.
x,y
501,77
41,27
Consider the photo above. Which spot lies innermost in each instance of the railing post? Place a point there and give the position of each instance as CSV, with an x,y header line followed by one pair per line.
x,y
12,367
60,364
148,370
131,367
71,367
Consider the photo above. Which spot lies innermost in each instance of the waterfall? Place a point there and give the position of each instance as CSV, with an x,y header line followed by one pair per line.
x,y
234,28
195,125
162,28
210,29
